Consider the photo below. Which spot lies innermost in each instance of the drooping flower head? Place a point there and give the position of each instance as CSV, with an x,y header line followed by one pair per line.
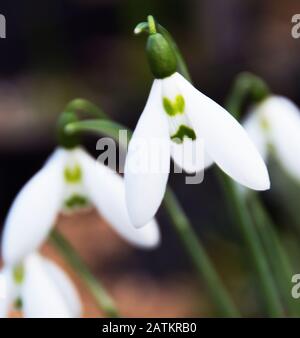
x,y
38,288
274,127
70,180
182,119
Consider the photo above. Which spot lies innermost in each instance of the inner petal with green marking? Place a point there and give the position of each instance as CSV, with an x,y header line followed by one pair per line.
x,y
76,201
18,304
182,132
180,127
179,124
18,274
73,174
75,198
174,107
74,192
264,123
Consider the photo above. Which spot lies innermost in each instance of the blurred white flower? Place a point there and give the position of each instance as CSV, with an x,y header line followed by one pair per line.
x,y
40,289
178,113
2,288
69,180
274,125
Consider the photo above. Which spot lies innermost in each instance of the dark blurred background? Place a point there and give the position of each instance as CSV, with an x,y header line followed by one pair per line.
x,y
59,50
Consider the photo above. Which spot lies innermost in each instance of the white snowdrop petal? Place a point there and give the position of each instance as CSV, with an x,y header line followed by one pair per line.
x,y
65,287
208,161
8,291
225,139
34,210
40,295
253,127
4,304
106,189
284,123
190,155
148,161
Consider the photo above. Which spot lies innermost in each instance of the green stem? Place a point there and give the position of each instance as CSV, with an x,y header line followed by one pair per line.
x,y
104,127
104,301
246,85
277,255
86,107
250,86
248,232
188,238
199,257
151,24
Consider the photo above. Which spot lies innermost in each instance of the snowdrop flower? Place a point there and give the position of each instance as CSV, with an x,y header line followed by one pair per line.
x,y
274,124
182,117
70,180
39,288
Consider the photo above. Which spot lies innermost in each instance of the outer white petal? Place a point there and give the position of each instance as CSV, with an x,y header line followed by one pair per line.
x,y
65,287
252,124
226,141
284,123
148,161
4,304
208,161
190,155
8,291
106,190
41,296
34,210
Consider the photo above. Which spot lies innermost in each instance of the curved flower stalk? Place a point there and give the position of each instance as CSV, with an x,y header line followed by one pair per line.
x,y
274,126
181,119
39,288
70,180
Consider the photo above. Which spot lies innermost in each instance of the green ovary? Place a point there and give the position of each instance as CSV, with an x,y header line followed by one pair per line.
x,y
174,107
182,132
73,175
76,201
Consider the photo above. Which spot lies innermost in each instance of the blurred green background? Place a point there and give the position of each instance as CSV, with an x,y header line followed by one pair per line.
x,y
59,50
